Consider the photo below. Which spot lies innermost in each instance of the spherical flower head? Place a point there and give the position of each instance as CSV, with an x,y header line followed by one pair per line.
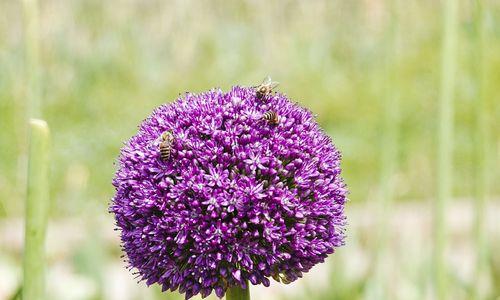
x,y
238,199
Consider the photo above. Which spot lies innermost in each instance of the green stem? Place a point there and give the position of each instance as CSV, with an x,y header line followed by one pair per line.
x,y
445,143
32,58
481,153
389,150
37,210
238,293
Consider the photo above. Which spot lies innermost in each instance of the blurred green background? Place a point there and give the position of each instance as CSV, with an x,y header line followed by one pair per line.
x,y
369,69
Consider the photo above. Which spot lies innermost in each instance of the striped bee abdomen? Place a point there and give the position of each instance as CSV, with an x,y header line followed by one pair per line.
x,y
167,139
271,117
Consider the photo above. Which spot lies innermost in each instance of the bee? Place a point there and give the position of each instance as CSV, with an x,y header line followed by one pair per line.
x,y
271,117
167,139
265,88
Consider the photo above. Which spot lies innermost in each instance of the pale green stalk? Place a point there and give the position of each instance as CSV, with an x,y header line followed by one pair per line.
x,y
389,152
37,210
481,154
32,68
30,107
445,143
237,293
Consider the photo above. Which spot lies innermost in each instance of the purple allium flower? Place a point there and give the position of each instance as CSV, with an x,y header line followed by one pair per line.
x,y
238,200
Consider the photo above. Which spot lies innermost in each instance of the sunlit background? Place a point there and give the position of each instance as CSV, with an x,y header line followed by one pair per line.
x,y
371,70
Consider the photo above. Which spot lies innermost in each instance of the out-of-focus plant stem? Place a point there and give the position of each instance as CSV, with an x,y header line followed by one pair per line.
x,y
31,106
238,293
445,143
389,149
32,66
481,152
37,210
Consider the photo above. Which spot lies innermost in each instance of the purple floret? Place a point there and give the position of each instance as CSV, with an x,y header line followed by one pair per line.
x,y
239,199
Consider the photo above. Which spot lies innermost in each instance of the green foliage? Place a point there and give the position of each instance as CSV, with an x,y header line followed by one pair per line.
x,y
105,67
102,67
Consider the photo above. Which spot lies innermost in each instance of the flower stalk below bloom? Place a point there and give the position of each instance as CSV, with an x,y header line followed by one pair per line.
x,y
238,293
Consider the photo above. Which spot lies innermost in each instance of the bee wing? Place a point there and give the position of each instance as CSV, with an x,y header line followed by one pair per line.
x,y
267,80
273,84
264,82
